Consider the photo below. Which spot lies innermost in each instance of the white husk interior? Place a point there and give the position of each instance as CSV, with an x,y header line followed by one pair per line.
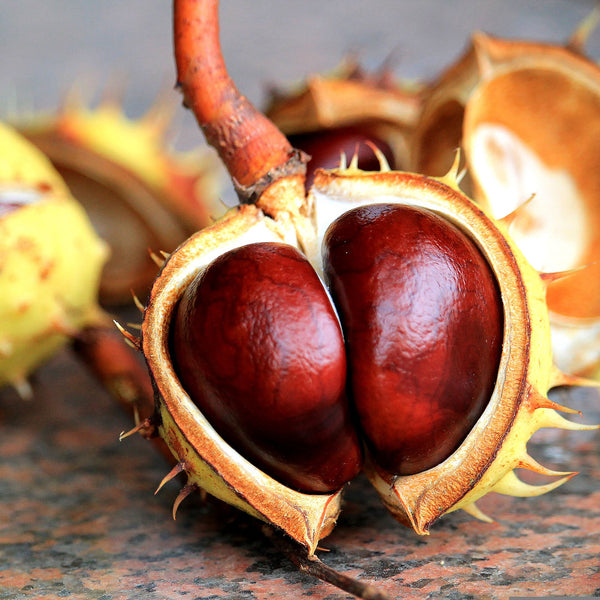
x,y
551,229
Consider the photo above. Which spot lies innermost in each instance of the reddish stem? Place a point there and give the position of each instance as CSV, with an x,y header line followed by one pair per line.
x,y
249,144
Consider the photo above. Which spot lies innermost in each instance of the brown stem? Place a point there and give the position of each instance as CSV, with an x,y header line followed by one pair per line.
x,y
249,144
311,565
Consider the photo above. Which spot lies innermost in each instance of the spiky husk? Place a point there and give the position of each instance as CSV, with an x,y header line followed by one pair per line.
x,y
50,263
138,192
486,459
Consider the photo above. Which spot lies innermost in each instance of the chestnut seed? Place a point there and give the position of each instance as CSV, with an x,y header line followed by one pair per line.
x,y
422,314
258,347
326,146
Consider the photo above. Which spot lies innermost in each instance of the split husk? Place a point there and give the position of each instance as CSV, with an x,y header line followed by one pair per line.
x,y
269,177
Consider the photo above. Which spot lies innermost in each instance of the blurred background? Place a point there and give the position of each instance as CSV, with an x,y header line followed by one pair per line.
x,y
47,45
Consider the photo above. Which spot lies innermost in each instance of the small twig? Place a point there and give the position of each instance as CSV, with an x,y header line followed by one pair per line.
x,y
311,565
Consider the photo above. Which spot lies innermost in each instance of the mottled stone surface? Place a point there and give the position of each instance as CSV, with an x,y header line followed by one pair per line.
x,y
78,519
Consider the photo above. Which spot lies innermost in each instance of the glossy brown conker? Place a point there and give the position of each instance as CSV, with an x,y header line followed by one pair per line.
x,y
422,315
258,347
326,146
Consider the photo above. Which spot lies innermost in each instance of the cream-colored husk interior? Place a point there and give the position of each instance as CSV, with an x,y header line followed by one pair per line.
x,y
552,226
552,229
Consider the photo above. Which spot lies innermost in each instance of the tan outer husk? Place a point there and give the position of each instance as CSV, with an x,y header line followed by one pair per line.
x,y
349,98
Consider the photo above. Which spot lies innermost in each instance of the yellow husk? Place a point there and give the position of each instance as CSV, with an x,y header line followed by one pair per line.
x,y
50,263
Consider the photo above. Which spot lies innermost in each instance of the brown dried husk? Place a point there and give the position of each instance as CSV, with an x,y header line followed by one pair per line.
x,y
350,97
437,133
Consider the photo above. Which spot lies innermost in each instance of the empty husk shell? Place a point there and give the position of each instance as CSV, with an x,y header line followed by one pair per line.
x,y
532,140
527,115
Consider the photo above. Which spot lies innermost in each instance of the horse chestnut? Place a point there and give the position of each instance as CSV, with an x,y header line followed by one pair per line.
x,y
447,331
422,315
258,346
325,148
